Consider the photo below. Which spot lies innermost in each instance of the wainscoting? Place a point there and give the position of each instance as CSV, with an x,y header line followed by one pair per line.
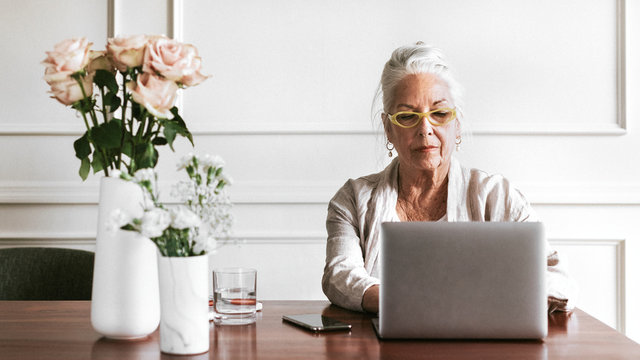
x,y
551,103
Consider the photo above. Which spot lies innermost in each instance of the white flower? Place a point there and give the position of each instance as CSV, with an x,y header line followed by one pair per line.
x,y
147,174
147,201
209,161
227,179
154,222
118,219
185,161
147,179
204,242
183,190
183,218
118,174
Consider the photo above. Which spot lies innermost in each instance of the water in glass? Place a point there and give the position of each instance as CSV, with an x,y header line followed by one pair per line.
x,y
234,306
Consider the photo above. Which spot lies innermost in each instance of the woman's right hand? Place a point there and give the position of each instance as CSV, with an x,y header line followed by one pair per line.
x,y
370,299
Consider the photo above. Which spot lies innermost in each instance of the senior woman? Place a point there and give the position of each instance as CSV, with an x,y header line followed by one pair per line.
x,y
424,182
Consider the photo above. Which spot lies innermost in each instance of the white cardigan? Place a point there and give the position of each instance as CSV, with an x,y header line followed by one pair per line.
x,y
361,205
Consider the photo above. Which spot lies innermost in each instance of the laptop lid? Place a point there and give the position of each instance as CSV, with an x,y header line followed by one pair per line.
x,y
462,280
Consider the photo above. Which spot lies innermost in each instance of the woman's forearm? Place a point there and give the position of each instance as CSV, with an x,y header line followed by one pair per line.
x,y
370,299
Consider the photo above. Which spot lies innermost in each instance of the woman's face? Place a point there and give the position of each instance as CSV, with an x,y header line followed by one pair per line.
x,y
423,147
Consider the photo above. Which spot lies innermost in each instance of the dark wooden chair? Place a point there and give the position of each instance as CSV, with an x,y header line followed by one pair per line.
x,y
32,273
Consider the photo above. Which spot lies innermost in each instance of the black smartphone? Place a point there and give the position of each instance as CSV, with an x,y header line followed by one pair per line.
x,y
316,322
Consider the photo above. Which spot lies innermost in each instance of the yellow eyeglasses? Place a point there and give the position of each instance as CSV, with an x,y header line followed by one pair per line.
x,y
409,119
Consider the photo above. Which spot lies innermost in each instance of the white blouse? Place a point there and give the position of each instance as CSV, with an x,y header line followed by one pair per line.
x,y
361,205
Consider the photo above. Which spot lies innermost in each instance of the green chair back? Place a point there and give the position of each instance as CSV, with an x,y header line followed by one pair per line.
x,y
29,273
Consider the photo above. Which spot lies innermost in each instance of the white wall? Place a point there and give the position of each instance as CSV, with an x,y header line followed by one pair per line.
x,y
551,95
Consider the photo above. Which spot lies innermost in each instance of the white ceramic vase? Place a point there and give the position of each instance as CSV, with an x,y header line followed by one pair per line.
x,y
184,300
125,302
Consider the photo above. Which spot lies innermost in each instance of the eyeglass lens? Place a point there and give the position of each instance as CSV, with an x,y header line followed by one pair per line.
x,y
440,116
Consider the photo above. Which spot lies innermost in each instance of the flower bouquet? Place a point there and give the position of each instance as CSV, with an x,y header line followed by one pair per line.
x,y
183,236
190,229
126,97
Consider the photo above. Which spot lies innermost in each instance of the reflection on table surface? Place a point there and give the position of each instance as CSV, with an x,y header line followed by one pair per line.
x,y
62,330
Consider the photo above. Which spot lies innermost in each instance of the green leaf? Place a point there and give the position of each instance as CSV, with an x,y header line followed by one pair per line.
x,y
104,78
78,105
82,147
85,165
173,128
170,134
84,105
112,101
127,147
128,227
107,135
176,115
96,164
146,156
159,141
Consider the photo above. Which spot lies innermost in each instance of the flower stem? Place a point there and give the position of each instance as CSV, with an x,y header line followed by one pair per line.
x,y
104,108
124,116
86,123
92,113
147,132
143,119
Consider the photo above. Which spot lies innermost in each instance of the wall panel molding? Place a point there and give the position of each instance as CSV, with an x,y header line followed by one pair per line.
x,y
262,237
87,241
246,128
238,238
111,18
51,192
619,127
571,129
621,60
175,21
620,274
324,128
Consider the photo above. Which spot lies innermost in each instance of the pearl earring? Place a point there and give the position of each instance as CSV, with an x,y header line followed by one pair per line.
x,y
390,148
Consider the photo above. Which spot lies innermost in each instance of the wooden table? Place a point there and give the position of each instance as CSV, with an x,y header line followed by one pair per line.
x,y
62,330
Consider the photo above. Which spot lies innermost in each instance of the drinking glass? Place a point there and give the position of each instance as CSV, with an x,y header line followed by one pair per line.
x,y
234,296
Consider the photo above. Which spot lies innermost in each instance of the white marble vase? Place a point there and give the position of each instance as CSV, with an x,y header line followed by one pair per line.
x,y
125,300
184,302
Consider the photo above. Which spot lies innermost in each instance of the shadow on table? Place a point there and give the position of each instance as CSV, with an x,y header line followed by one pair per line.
x,y
363,337
144,349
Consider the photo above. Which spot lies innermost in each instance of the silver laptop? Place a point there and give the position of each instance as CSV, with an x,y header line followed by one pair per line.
x,y
462,280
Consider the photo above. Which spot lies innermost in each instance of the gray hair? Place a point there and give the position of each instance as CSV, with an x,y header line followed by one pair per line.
x,y
415,59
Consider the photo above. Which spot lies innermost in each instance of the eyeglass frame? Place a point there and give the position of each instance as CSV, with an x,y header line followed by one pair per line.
x,y
392,117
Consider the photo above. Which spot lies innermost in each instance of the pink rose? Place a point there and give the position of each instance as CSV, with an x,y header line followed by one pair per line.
x,y
156,94
68,91
100,61
173,60
126,52
67,57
